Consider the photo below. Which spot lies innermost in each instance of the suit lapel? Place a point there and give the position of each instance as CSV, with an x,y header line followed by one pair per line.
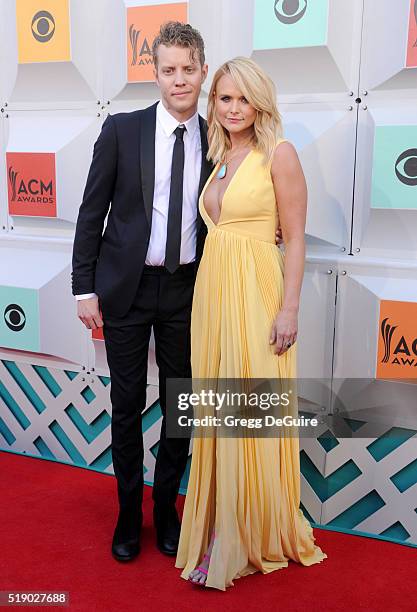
x,y
147,157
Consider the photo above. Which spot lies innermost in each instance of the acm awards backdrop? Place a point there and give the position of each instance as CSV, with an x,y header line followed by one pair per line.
x,y
346,76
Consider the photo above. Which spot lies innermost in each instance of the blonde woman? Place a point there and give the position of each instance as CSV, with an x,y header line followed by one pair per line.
x,y
242,511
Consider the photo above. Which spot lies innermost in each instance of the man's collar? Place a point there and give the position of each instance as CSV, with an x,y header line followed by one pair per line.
x,y
169,123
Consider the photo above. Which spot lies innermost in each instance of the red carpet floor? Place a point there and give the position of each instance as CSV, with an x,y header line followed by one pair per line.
x,y
55,534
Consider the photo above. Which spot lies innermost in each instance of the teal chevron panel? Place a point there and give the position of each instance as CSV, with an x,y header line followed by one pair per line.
x,y
6,433
50,382
92,430
88,394
71,375
325,487
67,444
359,511
25,385
14,408
103,461
151,416
154,449
328,441
406,477
306,513
186,475
65,402
396,531
390,441
354,424
43,448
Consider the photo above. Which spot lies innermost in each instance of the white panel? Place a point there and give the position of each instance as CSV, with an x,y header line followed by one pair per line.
x,y
68,135
322,133
319,72
316,320
223,41
51,84
315,336
113,48
384,51
61,333
384,233
87,20
3,178
112,44
72,164
8,49
385,402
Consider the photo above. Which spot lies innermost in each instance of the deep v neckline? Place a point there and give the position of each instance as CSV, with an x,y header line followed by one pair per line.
x,y
209,182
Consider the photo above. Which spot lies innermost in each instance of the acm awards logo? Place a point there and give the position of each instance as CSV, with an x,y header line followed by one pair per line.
x,y
406,171
43,26
140,56
34,191
290,11
402,351
14,317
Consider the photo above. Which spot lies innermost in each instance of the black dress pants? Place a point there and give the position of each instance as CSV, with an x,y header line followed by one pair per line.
x,y
163,301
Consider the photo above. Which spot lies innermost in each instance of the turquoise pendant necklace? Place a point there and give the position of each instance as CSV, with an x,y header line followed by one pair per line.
x,y
223,168
222,172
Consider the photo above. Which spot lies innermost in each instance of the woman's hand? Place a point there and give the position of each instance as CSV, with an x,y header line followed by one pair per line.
x,y
278,237
284,330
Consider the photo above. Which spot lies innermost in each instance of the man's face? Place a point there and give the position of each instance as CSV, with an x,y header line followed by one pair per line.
x,y
179,77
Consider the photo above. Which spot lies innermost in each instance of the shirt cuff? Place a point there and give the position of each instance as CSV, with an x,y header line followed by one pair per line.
x,y
85,296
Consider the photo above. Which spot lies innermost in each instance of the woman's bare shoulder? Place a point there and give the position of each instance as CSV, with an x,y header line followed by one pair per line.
x,y
284,157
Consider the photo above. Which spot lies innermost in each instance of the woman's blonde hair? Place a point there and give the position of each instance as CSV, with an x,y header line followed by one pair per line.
x,y
259,91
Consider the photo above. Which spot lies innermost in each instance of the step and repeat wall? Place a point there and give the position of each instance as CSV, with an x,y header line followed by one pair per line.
x,y
346,78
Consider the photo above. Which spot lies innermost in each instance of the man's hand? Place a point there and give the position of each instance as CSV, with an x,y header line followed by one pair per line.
x,y
89,313
278,237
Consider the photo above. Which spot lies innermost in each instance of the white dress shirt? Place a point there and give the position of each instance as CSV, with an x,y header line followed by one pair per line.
x,y
164,145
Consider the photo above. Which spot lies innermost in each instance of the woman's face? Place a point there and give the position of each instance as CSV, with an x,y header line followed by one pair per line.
x,y
233,111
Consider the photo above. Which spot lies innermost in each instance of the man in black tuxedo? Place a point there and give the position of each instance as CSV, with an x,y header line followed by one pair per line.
x,y
151,166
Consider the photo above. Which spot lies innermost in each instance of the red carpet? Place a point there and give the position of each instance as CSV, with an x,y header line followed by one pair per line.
x,y
56,528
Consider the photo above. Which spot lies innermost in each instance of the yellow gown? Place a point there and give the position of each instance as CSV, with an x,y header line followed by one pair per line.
x,y
247,489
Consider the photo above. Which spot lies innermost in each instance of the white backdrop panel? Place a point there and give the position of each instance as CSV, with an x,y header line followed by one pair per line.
x,y
385,213
306,65
69,137
37,286
324,136
49,84
385,39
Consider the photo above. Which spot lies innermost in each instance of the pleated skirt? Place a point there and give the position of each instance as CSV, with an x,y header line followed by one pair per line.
x,y
247,489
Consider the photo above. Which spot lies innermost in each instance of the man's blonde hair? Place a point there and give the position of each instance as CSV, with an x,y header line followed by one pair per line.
x,y
259,91
177,34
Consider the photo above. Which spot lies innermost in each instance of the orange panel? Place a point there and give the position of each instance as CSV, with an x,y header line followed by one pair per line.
x,y
412,37
143,23
31,184
397,340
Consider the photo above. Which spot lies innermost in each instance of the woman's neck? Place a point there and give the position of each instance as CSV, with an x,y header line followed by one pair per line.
x,y
241,139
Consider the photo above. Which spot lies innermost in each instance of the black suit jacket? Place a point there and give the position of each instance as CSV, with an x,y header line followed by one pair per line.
x,y
122,173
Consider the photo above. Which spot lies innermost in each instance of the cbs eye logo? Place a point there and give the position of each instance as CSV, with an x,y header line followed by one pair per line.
x,y
14,317
290,11
406,171
43,26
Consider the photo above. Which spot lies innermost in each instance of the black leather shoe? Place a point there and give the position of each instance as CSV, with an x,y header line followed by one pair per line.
x,y
125,544
168,529
125,551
